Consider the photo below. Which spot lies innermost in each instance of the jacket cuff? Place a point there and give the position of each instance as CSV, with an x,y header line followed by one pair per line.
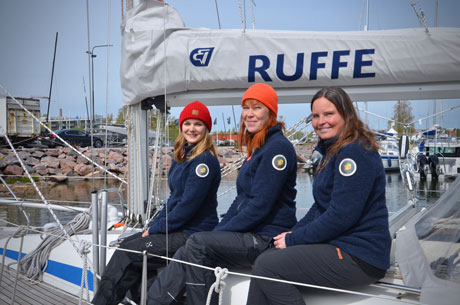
x,y
289,239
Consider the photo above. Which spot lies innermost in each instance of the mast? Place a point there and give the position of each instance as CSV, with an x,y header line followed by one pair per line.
x,y
51,82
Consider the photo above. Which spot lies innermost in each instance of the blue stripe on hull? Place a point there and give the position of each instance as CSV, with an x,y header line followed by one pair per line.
x,y
65,272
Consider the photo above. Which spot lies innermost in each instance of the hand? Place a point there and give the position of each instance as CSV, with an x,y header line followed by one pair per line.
x,y
280,240
146,233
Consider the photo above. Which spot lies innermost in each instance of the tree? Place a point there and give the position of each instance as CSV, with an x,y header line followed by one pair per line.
x,y
121,116
110,118
402,116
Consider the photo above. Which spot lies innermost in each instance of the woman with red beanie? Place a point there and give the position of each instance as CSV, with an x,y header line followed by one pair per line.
x,y
193,179
263,208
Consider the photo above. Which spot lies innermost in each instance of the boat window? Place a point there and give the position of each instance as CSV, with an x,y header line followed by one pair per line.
x,y
446,151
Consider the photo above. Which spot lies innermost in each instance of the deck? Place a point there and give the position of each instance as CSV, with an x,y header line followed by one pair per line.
x,y
31,293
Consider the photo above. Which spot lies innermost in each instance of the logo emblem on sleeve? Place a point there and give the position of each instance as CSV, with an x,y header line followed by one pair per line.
x,y
279,162
202,170
347,167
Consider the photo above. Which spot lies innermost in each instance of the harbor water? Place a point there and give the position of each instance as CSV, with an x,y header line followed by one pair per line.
x,y
78,193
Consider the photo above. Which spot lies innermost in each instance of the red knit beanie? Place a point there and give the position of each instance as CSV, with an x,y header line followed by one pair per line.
x,y
263,93
196,110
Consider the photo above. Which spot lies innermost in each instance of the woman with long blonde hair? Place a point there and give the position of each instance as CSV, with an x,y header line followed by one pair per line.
x,y
263,208
193,180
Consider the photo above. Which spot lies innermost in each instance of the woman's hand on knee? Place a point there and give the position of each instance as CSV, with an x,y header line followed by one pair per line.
x,y
280,240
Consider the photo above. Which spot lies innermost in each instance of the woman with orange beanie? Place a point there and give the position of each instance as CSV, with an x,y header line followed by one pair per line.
x,y
263,208
193,179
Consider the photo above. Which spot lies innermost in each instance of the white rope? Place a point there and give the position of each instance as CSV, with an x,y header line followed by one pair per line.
x,y
85,247
219,285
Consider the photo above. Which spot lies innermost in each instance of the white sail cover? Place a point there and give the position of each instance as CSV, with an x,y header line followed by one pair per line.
x,y
161,56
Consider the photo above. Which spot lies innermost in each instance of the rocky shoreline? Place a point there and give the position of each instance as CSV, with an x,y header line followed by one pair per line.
x,y
58,164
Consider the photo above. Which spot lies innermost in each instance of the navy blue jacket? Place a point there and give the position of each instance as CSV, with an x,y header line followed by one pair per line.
x,y
192,204
265,201
350,210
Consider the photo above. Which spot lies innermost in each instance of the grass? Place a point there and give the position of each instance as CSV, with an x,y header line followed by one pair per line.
x,y
20,179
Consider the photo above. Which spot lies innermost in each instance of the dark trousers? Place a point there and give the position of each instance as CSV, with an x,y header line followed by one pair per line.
x,y
212,249
124,270
321,264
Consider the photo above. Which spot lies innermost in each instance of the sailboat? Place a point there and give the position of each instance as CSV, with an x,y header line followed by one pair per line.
x,y
166,65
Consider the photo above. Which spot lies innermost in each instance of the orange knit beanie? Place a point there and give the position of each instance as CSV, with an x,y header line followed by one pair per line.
x,y
263,93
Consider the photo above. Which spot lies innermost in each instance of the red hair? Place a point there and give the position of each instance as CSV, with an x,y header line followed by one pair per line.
x,y
257,140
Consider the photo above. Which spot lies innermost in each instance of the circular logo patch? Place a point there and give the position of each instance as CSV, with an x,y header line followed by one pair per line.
x,y
279,162
202,170
347,167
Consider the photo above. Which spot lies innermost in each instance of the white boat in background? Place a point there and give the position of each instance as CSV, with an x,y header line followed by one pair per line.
x,y
389,152
439,158
165,63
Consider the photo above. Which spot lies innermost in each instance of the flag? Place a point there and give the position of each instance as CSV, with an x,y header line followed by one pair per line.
x,y
228,120
215,121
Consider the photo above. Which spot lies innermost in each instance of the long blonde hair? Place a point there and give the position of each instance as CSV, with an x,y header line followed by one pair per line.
x,y
207,143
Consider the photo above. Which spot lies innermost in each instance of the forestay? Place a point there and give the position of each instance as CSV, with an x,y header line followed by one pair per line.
x,y
160,55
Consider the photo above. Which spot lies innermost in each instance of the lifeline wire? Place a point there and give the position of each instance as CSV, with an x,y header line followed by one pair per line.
x,y
250,275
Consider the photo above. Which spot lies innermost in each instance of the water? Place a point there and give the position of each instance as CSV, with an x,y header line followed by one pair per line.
x,y
396,193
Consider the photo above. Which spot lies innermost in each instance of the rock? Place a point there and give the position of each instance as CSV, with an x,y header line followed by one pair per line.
x,y
113,168
49,161
52,152
40,169
58,178
32,161
82,169
81,160
38,154
11,160
23,154
67,163
13,170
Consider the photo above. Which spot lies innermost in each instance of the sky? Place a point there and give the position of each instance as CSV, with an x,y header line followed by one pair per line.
x,y
28,31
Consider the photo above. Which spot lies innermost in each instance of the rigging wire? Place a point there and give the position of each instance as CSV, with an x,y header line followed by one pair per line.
x,y
217,12
109,17
362,14
57,136
420,15
243,27
251,10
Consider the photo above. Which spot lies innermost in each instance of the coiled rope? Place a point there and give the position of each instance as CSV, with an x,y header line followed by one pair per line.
x,y
219,285
35,262
85,247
